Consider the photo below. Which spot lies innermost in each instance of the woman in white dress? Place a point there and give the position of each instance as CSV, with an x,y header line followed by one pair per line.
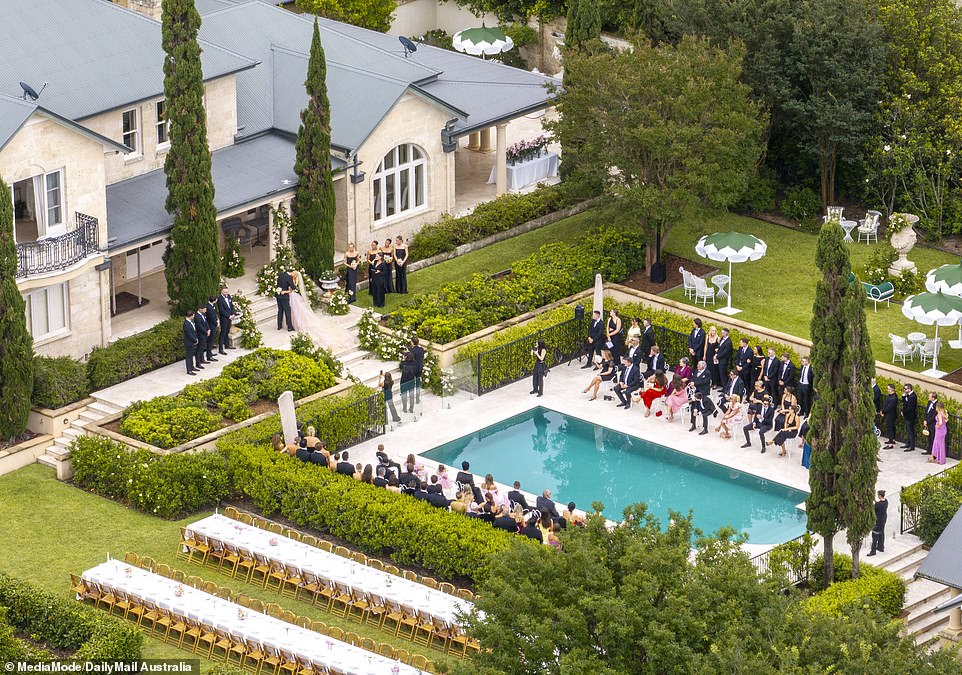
x,y
303,317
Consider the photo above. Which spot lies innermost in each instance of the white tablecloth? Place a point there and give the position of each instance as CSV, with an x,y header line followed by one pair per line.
x,y
332,567
220,613
526,173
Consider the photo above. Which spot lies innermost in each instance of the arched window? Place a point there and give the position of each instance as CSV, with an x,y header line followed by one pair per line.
x,y
399,182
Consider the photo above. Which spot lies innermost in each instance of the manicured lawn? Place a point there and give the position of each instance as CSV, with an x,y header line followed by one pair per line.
x,y
778,290
489,260
50,529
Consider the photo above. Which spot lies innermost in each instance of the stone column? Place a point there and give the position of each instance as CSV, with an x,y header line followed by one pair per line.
x,y
955,615
474,141
270,231
501,172
486,140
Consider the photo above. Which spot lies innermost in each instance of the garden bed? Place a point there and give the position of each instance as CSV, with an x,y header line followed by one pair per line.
x,y
641,281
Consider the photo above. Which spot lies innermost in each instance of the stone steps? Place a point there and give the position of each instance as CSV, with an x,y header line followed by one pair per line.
x,y
57,454
921,597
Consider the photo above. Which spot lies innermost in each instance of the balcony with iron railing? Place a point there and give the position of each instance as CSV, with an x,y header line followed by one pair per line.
x,y
53,254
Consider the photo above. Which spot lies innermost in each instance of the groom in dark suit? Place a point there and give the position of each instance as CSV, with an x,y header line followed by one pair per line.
x,y
212,320
225,314
285,286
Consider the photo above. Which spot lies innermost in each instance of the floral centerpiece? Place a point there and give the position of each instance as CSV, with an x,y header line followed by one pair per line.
x,y
178,590
339,305
523,151
328,280
274,541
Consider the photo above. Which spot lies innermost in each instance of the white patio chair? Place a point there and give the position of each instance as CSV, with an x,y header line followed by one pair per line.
x,y
929,349
686,277
901,349
703,292
868,227
834,212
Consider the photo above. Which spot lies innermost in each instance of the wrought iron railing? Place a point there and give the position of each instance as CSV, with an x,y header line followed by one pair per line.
x,y
58,253
909,514
513,361
796,565
353,423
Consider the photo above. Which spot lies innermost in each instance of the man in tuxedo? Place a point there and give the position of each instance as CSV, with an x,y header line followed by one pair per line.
x,y
910,411
211,332
877,397
656,362
190,342
805,387
723,354
203,332
786,375
734,386
701,405
634,352
930,415
629,379
890,411
436,497
701,378
770,373
696,341
466,479
516,497
545,504
743,363
417,351
596,338
285,286
647,338
225,316
379,479
762,422
210,313
344,467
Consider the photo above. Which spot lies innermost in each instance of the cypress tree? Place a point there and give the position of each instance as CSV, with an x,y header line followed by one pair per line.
x,y
844,447
16,345
313,206
193,258
583,24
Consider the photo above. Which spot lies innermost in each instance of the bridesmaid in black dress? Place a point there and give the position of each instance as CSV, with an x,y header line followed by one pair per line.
x,y
351,263
372,253
758,362
400,266
615,335
387,257
377,272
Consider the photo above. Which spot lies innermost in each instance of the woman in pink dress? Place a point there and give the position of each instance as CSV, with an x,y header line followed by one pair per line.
x,y
677,398
938,446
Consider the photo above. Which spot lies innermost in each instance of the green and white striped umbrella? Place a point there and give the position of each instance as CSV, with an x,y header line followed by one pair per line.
x,y
947,279
482,41
734,247
937,308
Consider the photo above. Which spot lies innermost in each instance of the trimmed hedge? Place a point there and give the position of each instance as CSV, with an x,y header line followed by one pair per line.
x,y
497,215
936,499
13,648
843,570
881,589
135,355
58,382
67,625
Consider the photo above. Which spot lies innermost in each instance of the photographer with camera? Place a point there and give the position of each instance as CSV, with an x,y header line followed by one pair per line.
x,y
540,353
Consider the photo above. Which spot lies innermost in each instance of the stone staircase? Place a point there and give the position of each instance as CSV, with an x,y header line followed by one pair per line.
x,y
58,452
921,597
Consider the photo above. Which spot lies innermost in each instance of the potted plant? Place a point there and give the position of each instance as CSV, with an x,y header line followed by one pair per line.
x,y
328,280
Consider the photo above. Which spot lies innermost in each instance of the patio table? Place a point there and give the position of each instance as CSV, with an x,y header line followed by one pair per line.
x,y
529,172
848,226
721,280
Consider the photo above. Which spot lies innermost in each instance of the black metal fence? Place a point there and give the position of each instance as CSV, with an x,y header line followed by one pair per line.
x,y
57,253
351,424
796,563
513,361
909,515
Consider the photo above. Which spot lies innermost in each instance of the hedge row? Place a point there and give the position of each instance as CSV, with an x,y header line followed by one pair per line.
x,y
14,649
936,500
497,215
67,625
876,588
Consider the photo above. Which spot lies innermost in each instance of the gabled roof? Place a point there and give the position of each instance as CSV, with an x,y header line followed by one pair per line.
x,y
94,55
943,564
14,113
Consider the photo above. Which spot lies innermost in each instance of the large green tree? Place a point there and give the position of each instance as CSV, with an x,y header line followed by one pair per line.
x,y
373,14
16,345
193,258
672,126
844,465
314,201
637,599
584,23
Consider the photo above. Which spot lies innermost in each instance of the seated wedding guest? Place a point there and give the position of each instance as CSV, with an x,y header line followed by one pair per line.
x,y
409,475
334,460
465,477
516,498
277,442
488,484
657,384
761,422
634,351
655,361
489,506
734,415
518,514
606,373
788,402
531,531
393,484
459,505
320,456
506,522
544,503
311,437
417,491
571,517
701,405
683,370
367,475
677,399
629,380
757,397
790,426
358,471
443,478
437,498
383,460
553,540
733,387
303,453
344,466
545,524
380,480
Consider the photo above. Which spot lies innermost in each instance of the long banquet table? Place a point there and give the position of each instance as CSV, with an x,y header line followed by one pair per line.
x,y
332,567
525,173
219,613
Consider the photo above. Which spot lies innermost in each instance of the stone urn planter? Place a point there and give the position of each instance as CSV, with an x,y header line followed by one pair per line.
x,y
328,282
903,239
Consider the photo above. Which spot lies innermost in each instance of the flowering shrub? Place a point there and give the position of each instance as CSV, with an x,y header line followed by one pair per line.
x,y
251,336
285,259
522,151
338,304
231,260
302,344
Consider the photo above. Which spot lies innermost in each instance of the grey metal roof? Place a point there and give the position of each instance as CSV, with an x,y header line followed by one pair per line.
x,y
95,55
943,564
14,113
244,173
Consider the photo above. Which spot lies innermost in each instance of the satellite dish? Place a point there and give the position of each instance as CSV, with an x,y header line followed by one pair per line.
x,y
409,47
30,91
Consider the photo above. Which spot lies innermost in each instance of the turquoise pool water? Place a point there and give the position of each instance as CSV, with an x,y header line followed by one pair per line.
x,y
583,462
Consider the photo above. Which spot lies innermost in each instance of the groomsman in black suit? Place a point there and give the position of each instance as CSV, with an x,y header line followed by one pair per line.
x,y
647,339
770,373
203,332
743,363
786,375
762,422
805,387
190,342
910,411
628,382
701,378
735,386
930,415
701,405
225,314
596,338
634,352
696,341
655,362
285,286
723,355
209,310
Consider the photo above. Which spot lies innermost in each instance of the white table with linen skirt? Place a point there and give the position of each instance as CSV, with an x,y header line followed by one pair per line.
x,y
529,172
219,613
332,567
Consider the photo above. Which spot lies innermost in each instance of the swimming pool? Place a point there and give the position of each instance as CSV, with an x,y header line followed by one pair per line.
x,y
583,462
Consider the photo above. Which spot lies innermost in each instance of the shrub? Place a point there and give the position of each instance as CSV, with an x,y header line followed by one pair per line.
x,y
58,382
801,204
168,422
231,260
488,218
759,195
843,570
303,344
272,371
13,649
67,625
938,504
168,486
882,590
135,355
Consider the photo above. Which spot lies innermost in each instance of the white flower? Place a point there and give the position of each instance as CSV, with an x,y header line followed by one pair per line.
x,y
909,96
887,147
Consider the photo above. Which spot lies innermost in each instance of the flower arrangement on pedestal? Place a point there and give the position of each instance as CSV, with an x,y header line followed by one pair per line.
x,y
522,151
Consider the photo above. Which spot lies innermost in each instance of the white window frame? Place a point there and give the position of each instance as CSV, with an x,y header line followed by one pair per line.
x,y
162,124
417,192
54,227
137,145
42,295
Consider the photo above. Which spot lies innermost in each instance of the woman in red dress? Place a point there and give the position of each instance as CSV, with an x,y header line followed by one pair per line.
x,y
657,385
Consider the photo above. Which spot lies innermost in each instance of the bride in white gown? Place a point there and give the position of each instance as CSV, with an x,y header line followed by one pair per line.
x,y
303,317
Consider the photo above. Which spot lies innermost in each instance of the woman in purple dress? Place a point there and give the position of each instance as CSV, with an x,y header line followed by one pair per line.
x,y
938,446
